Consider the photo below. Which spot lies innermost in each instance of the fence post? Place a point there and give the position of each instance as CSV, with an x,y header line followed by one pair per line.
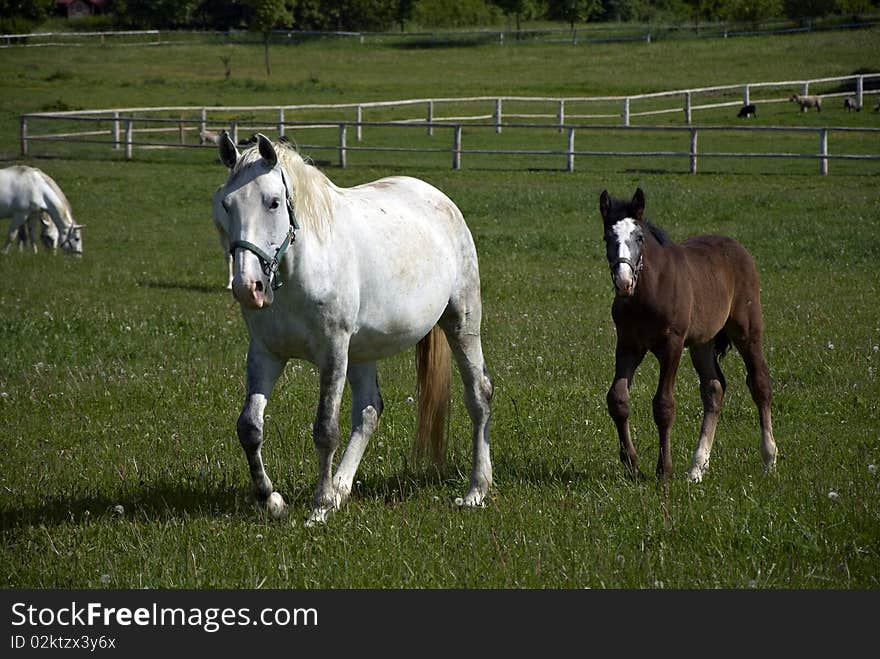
x,y
430,118
570,163
342,162
115,133
860,89
456,148
560,114
498,115
693,150
823,152
129,132
203,123
359,117
687,108
233,132
24,136
805,89
280,123
746,95
626,111
182,131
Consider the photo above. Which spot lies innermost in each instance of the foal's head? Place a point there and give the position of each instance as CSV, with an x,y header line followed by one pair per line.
x,y
624,237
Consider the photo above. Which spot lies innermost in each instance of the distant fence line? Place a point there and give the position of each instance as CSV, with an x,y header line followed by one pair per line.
x,y
125,128
580,34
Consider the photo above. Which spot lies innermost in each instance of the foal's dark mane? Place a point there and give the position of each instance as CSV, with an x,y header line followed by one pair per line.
x,y
659,234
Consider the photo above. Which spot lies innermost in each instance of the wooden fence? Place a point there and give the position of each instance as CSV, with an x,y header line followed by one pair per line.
x,y
128,128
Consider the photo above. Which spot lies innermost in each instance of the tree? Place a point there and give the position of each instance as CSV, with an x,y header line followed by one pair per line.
x,y
574,11
265,16
22,15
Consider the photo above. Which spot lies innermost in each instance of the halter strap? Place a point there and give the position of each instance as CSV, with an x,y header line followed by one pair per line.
x,y
270,264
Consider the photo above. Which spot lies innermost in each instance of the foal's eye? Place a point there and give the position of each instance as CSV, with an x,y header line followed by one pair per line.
x,y
274,205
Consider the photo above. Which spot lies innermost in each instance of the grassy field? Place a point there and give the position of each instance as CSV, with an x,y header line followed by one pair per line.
x,y
122,373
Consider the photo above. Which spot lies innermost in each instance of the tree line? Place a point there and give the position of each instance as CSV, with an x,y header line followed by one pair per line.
x,y
384,15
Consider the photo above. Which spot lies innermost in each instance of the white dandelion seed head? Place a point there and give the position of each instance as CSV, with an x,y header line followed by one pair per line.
x,y
833,495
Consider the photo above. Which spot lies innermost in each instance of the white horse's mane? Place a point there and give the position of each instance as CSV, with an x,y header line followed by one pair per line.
x,y
310,188
67,211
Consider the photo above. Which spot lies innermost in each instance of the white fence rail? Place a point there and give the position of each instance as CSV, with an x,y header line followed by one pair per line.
x,y
127,128
124,131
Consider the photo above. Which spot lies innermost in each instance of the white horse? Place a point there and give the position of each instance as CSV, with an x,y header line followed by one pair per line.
x,y
343,277
25,194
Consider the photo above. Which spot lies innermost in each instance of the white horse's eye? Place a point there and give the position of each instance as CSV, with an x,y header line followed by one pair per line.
x,y
274,204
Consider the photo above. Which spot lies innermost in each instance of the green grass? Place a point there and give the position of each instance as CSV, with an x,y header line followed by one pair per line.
x,y
122,373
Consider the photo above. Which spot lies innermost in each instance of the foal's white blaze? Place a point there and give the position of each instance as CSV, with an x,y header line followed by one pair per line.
x,y
624,277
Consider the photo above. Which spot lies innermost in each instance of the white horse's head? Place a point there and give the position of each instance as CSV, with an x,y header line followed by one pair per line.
x,y
71,240
260,219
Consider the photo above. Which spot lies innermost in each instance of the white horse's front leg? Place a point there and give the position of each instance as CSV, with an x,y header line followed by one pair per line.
x,y
263,371
326,429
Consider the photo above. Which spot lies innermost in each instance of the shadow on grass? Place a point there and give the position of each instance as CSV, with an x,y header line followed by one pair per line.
x,y
181,286
201,498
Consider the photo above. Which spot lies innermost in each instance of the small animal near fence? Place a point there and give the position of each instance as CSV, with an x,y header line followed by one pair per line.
x,y
150,128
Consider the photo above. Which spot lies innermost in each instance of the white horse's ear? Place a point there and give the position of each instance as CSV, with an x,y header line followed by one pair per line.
x,y
267,150
229,154
604,203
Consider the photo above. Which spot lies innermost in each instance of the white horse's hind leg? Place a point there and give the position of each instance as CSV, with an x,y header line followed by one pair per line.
x,y
366,407
262,373
463,333
326,428
18,220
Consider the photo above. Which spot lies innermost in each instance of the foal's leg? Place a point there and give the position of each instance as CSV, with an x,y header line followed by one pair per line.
x,y
758,381
626,361
669,356
712,393
325,431
366,407
262,372
461,324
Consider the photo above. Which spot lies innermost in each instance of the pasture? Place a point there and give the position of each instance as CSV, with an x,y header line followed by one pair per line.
x,y
122,373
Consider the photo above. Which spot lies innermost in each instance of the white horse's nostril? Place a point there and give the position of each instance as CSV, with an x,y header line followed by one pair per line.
x,y
258,286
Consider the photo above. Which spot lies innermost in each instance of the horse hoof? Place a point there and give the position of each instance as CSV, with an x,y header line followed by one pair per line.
x,y
471,500
318,516
695,476
276,507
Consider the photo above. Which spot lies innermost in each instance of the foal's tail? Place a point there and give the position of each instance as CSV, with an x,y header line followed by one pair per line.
x,y
434,370
722,345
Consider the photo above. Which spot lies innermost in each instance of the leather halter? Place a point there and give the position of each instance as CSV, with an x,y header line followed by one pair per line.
x,y
270,264
636,267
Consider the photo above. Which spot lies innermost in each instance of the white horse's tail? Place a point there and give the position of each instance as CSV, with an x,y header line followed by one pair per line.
x,y
434,370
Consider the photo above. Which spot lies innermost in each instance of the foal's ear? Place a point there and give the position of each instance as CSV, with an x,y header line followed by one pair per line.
x,y
604,203
228,152
638,204
267,150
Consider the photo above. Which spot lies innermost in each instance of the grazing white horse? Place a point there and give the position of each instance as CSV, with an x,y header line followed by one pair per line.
x,y
343,277
25,194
